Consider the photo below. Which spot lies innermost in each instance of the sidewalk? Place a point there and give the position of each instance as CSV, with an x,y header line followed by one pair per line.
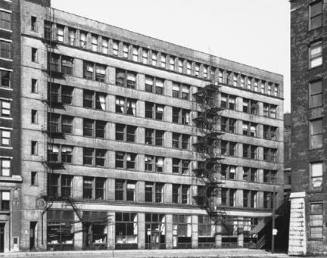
x,y
171,253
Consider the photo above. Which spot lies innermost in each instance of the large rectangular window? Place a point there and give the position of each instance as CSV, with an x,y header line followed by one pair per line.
x,y
315,54
316,133
125,160
5,169
126,230
154,111
95,100
94,157
126,106
125,78
93,188
315,14
154,85
93,71
125,190
125,133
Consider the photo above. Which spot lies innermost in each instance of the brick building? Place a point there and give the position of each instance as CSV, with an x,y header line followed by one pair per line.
x,y
109,139
308,75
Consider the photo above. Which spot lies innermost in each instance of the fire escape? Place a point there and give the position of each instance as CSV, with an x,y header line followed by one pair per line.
x,y
51,129
208,151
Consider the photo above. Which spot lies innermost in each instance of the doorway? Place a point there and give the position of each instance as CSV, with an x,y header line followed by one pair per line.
x,y
2,237
32,234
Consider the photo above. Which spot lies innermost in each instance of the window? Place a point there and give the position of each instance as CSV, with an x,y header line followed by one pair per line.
x,y
71,37
262,87
163,61
5,107
94,157
228,197
60,123
153,163
34,84
181,141
153,192
269,176
125,190
188,68
125,160
34,56
94,71
276,90
5,167
94,43
115,48
126,230
82,40
196,70
5,78
105,47
154,137
94,128
125,133
126,106
228,148
181,166
249,129
60,33
125,51
145,56
94,100
250,174
154,58
180,66
205,226
316,171
5,20
315,94
228,101
228,125
154,85
60,94
269,110
205,72
66,154
181,194
125,78
316,221
315,14
228,172
270,155
33,147
255,85
59,185
269,88
135,54
34,116
172,63
270,132
316,133
250,151
93,188
250,106
315,54
5,200
154,111
181,91
34,178
60,64
267,200
60,153
33,23
181,116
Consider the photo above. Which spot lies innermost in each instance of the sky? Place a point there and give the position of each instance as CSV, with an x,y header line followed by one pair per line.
x,y
253,32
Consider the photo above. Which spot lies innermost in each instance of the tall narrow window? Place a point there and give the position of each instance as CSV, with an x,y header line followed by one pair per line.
x,y
315,14
316,133
60,33
5,20
94,43
315,94
33,23
316,171
83,39
315,54
104,46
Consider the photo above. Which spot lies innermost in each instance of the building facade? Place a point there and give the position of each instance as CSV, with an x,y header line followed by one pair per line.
x,y
108,139
308,74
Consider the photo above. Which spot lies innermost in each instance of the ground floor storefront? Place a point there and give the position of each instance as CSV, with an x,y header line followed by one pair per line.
x,y
98,230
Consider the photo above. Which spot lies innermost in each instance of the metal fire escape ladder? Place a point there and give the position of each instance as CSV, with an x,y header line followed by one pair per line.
x,y
208,149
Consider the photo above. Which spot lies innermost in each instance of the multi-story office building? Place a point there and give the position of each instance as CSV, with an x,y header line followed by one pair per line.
x,y
308,164
108,138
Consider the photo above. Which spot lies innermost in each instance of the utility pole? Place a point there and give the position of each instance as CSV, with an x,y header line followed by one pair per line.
x,y
273,230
